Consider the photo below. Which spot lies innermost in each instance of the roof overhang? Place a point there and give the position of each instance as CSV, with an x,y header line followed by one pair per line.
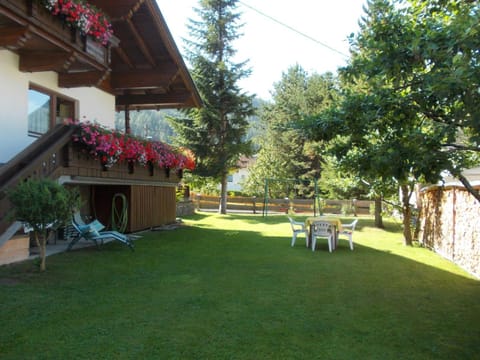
x,y
142,66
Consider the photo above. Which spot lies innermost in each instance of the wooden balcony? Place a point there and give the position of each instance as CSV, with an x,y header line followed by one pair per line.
x,y
45,42
55,156
81,168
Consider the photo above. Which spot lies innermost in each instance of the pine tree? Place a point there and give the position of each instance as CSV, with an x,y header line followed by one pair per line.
x,y
285,152
216,132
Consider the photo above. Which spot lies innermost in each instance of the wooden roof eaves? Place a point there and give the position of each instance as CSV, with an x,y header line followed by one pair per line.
x,y
33,27
173,51
141,43
14,37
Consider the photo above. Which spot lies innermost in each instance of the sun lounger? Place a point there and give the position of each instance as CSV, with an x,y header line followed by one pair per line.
x,y
92,232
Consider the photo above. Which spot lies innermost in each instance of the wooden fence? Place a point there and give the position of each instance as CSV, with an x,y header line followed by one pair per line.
x,y
256,205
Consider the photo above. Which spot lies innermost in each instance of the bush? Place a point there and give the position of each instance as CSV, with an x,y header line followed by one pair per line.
x,y
43,205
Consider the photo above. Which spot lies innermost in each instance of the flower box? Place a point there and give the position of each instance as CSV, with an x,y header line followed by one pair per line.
x,y
95,49
81,24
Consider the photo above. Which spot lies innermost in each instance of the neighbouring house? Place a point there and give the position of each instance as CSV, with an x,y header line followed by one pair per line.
x,y
53,68
236,179
450,221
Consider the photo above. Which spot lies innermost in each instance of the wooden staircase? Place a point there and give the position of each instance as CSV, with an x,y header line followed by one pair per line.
x,y
41,159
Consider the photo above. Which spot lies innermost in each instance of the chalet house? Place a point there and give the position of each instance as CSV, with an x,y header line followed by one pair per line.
x,y
53,68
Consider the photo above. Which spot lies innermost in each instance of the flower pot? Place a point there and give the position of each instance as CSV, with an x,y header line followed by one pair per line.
x,y
167,172
104,165
150,168
131,167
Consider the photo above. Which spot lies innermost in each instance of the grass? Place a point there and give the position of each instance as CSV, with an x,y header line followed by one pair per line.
x,y
231,287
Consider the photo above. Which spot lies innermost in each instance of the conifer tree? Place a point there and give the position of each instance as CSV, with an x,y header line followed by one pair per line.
x,y
216,132
285,152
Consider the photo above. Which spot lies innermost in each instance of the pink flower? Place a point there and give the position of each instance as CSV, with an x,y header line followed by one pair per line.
x,y
83,16
110,147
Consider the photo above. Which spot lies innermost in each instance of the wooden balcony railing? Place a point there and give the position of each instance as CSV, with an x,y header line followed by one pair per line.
x,y
41,159
55,155
32,27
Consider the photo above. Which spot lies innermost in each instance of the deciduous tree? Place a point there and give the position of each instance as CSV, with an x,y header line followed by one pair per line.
x,y
285,153
43,205
410,89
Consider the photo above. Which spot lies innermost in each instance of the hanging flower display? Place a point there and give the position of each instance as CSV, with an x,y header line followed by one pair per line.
x,y
99,143
132,150
111,147
82,16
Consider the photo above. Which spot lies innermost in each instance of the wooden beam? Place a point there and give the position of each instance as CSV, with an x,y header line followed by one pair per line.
x,y
81,78
123,55
128,129
143,79
141,43
133,10
13,37
46,61
152,99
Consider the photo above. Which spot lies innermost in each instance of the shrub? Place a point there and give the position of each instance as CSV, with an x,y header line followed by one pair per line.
x,y
43,205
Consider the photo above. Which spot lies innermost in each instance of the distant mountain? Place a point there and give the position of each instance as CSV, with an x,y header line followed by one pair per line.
x,y
154,124
148,123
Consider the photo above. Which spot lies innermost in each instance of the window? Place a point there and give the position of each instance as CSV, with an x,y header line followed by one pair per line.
x,y
229,178
38,112
46,109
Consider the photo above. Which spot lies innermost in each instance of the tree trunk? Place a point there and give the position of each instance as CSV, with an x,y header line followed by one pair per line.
x,y
378,213
469,187
223,195
407,215
416,230
41,241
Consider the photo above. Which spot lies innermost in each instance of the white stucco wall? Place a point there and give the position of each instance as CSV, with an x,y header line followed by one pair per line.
x,y
237,180
93,104
13,107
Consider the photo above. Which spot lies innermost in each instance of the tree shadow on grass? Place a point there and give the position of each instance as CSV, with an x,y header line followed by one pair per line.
x,y
391,225
236,291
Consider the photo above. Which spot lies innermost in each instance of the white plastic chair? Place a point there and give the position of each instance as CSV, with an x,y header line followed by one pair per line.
x,y
348,230
322,229
297,228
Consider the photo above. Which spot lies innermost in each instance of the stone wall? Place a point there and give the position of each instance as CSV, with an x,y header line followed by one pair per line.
x,y
450,225
185,208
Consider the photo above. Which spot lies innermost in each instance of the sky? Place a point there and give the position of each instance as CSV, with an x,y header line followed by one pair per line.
x,y
271,48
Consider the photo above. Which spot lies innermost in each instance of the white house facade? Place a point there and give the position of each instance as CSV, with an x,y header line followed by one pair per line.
x,y
89,103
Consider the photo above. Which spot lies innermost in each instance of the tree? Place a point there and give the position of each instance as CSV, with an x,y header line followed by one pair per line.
x,y
149,124
216,132
336,183
446,79
284,152
404,111
43,205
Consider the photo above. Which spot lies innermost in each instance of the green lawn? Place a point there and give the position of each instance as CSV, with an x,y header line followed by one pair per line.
x,y
231,287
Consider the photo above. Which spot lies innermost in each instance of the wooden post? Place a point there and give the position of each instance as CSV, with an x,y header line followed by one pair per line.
x,y
127,119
